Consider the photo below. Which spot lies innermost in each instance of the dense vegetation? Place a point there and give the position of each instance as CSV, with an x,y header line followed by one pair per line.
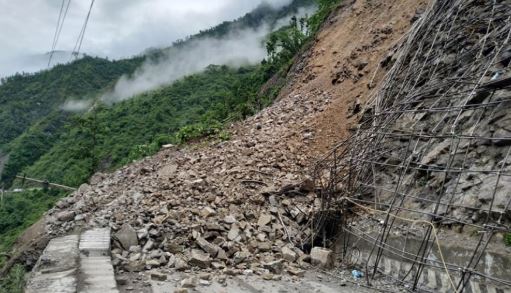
x,y
264,14
20,210
26,98
14,281
67,148
30,113
108,137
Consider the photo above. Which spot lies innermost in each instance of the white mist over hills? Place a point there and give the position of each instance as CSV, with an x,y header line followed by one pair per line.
x,y
117,28
241,47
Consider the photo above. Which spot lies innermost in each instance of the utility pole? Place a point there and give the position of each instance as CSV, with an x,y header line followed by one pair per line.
x,y
2,194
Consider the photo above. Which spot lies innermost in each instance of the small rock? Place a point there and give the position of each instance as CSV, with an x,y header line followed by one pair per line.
x,y
261,237
180,264
181,290
152,263
234,233
296,272
207,212
264,219
158,276
66,216
208,247
199,259
230,219
240,256
204,283
218,265
274,266
189,282
288,254
135,256
80,217
121,280
268,276
63,204
264,246
148,246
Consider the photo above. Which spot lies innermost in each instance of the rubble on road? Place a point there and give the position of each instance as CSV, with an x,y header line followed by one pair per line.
x,y
236,206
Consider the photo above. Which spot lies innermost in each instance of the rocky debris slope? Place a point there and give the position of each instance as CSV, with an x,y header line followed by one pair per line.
x,y
242,205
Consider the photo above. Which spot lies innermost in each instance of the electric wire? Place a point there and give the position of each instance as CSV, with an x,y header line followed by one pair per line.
x,y
58,29
79,41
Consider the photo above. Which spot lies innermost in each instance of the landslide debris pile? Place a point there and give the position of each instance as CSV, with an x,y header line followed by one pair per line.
x,y
242,204
434,143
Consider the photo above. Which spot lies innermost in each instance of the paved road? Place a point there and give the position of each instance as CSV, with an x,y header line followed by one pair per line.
x,y
312,282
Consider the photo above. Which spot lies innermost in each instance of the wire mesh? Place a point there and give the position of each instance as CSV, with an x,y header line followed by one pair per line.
x,y
434,140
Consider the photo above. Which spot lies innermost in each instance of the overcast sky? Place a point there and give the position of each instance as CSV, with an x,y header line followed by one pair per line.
x,y
117,28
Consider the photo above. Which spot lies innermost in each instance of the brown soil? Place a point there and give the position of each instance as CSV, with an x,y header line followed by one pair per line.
x,y
360,31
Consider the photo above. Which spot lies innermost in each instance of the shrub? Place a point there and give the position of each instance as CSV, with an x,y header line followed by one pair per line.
x,y
507,239
14,281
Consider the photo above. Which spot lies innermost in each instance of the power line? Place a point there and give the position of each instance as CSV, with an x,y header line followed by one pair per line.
x,y
78,45
58,29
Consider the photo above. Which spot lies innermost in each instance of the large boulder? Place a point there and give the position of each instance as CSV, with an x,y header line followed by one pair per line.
x,y
127,237
322,257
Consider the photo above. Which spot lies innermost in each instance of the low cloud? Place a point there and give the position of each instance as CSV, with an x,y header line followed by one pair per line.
x,y
240,47
77,105
117,28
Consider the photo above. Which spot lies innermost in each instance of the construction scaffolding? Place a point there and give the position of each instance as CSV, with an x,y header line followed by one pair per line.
x,y
432,149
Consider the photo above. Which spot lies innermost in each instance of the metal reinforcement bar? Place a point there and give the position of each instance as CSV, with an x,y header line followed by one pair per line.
x,y
433,147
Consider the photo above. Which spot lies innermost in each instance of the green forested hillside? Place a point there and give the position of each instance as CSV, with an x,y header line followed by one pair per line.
x,y
108,137
26,98
30,116
48,143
